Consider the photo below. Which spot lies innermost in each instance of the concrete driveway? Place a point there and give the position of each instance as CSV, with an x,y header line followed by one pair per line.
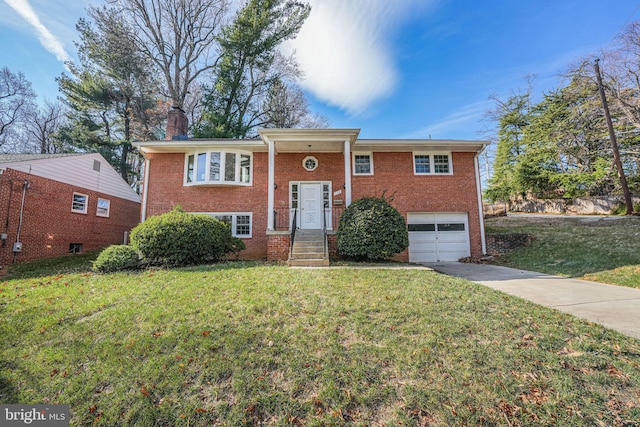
x,y
616,307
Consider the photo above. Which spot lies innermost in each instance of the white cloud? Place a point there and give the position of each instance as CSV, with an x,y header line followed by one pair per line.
x,y
455,124
48,40
344,53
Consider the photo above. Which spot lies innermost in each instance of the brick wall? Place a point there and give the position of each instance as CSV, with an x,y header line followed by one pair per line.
x,y
393,175
278,247
49,226
498,244
166,190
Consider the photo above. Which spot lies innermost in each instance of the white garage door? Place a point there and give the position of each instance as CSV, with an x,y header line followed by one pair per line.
x,y
435,237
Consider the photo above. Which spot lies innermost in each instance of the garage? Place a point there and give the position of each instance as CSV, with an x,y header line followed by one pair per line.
x,y
435,237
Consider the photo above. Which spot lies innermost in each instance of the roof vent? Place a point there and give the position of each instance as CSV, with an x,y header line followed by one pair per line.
x,y
96,165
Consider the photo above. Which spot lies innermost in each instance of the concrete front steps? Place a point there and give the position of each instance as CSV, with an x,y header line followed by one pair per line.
x,y
308,249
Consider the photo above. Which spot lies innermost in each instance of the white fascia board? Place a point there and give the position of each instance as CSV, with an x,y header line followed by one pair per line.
x,y
179,146
398,145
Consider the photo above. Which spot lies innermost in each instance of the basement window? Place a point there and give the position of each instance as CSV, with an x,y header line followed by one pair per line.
x,y
240,222
75,248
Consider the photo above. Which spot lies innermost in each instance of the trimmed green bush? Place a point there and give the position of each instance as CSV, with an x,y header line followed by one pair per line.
x,y
371,229
181,238
116,258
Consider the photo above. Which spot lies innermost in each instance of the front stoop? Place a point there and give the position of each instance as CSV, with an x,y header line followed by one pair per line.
x,y
308,249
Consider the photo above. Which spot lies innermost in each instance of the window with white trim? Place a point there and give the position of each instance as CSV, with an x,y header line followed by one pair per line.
x,y
240,222
363,164
79,203
221,167
103,208
432,164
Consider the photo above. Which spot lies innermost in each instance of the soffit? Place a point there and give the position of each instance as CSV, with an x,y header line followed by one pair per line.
x,y
313,140
183,146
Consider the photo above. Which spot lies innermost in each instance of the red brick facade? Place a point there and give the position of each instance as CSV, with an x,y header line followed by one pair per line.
x,y
48,226
393,176
425,193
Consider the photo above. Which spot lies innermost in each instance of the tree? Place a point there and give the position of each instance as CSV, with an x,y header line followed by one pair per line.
x,y
112,92
250,66
513,115
286,106
43,126
177,36
16,99
563,145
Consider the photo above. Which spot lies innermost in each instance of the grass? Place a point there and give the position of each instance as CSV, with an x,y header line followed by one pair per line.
x,y
602,250
250,344
52,266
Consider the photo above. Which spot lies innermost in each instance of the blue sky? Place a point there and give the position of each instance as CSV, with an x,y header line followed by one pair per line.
x,y
395,69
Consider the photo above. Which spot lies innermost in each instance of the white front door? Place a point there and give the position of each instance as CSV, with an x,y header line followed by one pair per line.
x,y
310,206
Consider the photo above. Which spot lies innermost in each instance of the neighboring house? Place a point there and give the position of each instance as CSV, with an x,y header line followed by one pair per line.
x,y
260,185
54,204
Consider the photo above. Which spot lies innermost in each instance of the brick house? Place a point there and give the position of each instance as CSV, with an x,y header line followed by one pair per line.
x,y
291,185
54,204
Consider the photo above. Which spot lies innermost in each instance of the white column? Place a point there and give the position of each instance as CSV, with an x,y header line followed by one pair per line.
x,y
347,173
271,184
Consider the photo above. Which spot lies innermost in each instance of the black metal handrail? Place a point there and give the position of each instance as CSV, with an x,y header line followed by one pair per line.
x,y
293,228
324,228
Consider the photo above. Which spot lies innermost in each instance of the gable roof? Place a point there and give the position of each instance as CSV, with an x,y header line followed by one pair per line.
x,y
84,170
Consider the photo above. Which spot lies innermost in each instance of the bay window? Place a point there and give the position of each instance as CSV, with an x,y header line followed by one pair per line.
x,y
223,167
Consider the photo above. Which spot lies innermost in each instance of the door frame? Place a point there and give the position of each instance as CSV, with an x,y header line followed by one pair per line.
x,y
437,233
324,203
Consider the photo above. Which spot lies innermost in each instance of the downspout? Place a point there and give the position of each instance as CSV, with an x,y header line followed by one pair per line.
x,y
6,222
25,185
145,191
480,207
270,185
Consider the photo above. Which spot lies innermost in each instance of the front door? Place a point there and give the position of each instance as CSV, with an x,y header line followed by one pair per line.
x,y
310,206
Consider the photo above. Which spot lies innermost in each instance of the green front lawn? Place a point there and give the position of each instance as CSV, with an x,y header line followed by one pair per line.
x,y
252,344
602,250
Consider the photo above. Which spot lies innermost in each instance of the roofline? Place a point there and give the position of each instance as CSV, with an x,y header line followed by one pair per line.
x,y
303,136
181,146
47,158
459,145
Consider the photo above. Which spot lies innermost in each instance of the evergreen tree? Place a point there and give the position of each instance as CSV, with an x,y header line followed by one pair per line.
x,y
110,93
250,67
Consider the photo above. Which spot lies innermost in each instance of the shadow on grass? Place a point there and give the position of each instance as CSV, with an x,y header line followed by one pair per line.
x,y
83,263
72,263
8,393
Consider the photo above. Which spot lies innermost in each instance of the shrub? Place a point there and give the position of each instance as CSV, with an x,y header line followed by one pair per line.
x,y
115,258
370,228
181,238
